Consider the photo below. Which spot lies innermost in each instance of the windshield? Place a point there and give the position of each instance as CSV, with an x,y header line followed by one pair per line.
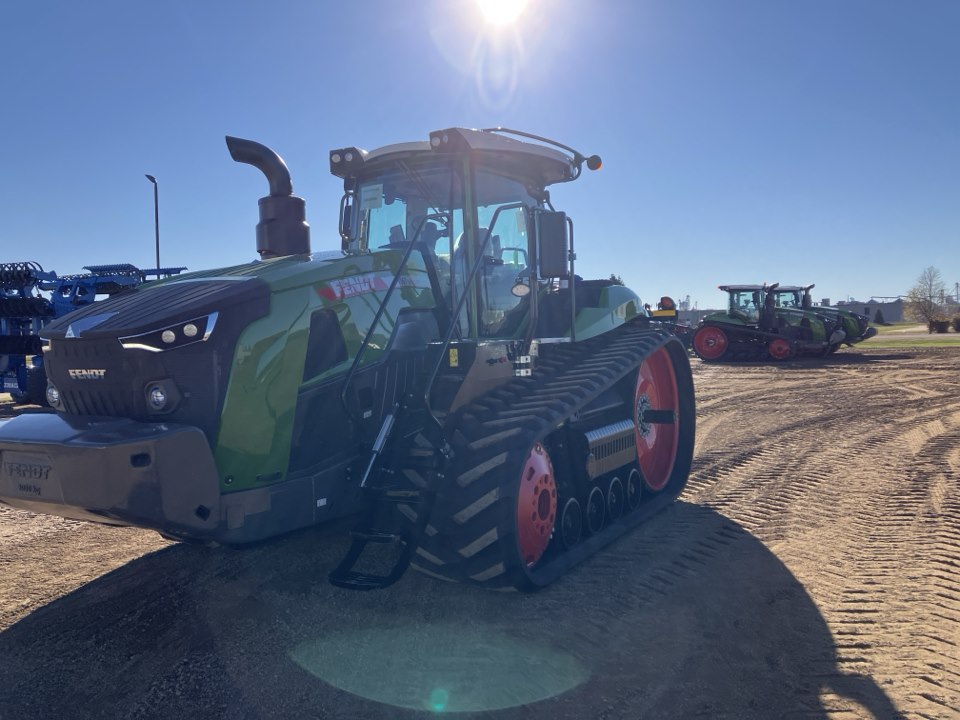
x,y
789,299
746,304
429,197
394,204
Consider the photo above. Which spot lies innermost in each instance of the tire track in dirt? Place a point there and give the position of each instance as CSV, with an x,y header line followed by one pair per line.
x,y
883,543
673,551
757,486
914,383
884,540
792,487
895,545
940,523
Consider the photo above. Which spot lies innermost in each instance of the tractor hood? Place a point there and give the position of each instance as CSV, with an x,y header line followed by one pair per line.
x,y
154,308
183,335
156,305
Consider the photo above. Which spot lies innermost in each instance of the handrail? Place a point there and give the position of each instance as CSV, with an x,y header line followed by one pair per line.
x,y
379,314
448,337
573,285
455,315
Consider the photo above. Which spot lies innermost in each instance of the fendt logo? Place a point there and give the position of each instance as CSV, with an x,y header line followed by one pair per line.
x,y
27,471
87,374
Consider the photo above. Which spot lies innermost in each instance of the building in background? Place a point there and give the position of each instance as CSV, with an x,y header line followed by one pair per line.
x,y
891,309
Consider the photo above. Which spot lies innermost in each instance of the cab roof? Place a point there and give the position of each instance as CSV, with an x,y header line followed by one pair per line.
x,y
744,288
793,288
533,160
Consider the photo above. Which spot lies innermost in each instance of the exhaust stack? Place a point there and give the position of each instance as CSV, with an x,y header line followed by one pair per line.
x,y
282,229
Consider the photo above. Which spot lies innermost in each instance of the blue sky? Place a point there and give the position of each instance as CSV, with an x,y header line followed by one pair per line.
x,y
743,140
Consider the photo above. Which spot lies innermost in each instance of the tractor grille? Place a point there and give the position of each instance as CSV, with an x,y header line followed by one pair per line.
x,y
197,373
117,393
96,375
92,402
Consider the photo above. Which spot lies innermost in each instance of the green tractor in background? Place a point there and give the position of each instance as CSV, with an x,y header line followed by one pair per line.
x,y
754,328
856,326
443,378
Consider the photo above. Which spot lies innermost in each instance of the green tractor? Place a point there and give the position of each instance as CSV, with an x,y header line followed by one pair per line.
x,y
443,381
754,328
856,326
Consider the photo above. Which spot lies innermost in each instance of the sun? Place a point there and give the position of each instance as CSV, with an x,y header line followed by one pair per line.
x,y
501,12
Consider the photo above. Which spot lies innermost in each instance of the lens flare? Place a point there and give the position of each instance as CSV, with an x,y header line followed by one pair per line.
x,y
501,12
493,44
445,667
497,71
439,699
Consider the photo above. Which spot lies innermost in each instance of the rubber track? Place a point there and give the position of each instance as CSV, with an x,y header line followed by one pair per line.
x,y
741,354
752,350
472,537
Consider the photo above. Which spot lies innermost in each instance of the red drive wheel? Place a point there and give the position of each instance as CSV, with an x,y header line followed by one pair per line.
x,y
780,349
536,505
657,418
710,342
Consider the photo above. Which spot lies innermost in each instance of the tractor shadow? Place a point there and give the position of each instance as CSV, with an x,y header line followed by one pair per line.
x,y
687,616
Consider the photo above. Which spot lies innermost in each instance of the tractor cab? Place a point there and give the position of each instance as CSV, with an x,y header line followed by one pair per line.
x,y
745,302
473,207
788,296
793,297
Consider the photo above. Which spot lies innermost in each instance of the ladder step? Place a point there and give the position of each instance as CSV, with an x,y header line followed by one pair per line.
x,y
401,495
420,463
374,536
360,581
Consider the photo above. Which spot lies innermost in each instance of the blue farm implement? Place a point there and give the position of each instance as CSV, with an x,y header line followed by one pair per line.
x,y
31,297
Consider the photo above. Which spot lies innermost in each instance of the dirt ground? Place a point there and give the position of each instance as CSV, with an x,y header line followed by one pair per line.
x,y
810,570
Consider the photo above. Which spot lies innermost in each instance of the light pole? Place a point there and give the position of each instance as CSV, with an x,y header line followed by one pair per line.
x,y
156,217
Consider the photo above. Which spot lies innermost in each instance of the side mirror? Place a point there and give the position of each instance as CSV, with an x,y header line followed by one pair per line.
x,y
554,252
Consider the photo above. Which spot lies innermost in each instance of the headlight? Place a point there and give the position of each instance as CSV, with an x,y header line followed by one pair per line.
x,y
172,336
53,396
157,397
162,396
